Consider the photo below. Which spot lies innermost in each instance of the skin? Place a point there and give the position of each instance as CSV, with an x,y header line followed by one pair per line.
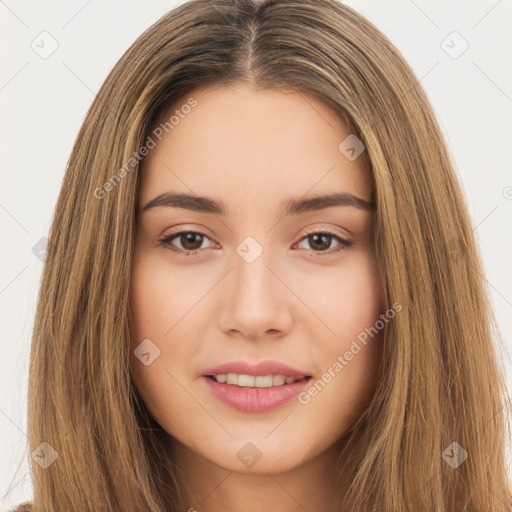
x,y
298,303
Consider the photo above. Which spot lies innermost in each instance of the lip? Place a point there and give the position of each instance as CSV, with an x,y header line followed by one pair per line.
x,y
249,399
260,369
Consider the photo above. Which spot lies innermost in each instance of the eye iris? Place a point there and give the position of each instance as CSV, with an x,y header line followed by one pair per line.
x,y
189,238
325,239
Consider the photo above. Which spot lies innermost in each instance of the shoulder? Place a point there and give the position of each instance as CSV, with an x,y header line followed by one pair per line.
x,y
22,507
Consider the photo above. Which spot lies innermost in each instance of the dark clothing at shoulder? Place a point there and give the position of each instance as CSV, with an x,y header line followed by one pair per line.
x,y
23,507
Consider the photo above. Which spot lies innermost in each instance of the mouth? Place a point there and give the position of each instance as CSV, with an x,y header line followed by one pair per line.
x,y
255,393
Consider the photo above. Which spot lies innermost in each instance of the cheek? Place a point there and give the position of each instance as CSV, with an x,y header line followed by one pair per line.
x,y
152,317
348,300
163,295
155,299
359,299
155,308
350,353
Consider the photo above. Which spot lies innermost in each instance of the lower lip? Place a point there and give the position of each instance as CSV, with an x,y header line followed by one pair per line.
x,y
249,399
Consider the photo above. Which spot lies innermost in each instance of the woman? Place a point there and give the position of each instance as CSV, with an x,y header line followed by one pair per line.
x,y
195,348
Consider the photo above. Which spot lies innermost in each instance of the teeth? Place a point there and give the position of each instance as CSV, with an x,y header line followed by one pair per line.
x,y
232,378
251,381
278,380
246,380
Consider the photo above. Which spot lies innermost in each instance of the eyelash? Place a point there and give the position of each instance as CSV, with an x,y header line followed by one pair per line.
x,y
343,244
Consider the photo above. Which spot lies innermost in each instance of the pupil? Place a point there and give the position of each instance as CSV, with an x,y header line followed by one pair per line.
x,y
324,238
189,237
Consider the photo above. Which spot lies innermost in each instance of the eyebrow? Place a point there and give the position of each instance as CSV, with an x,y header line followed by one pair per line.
x,y
290,206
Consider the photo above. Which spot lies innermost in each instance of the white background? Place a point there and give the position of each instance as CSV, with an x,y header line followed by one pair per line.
x,y
43,103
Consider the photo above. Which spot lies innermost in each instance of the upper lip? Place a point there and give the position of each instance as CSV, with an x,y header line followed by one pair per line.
x,y
259,369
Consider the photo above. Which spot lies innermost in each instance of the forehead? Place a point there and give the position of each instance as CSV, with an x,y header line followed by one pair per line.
x,y
238,143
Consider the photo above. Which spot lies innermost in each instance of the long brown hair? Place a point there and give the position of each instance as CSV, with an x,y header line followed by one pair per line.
x,y
441,382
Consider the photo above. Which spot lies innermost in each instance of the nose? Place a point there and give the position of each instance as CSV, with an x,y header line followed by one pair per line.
x,y
256,302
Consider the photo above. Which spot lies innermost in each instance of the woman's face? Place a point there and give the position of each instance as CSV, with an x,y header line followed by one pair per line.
x,y
259,283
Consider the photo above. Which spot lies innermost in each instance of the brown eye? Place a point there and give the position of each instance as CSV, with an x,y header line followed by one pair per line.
x,y
320,242
190,241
